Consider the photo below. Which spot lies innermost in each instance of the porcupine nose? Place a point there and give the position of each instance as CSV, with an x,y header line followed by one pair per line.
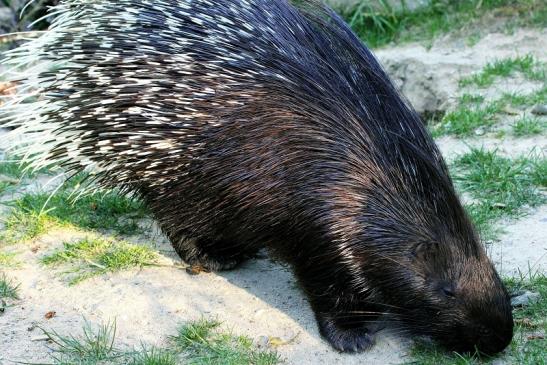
x,y
491,341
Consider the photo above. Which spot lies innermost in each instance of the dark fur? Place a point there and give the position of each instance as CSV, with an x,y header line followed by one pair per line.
x,y
322,162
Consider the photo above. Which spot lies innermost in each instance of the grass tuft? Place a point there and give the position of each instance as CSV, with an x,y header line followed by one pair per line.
x,y
529,127
153,356
11,173
22,226
203,344
466,120
502,187
93,347
12,167
8,290
471,99
427,353
8,260
378,23
536,97
96,256
527,65
34,214
196,343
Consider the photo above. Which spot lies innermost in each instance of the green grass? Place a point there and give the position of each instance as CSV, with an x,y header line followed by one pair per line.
x,y
12,167
527,126
199,342
8,260
153,356
93,347
203,344
21,226
506,67
8,290
379,24
530,319
502,187
466,119
471,99
525,349
472,113
96,256
35,213
96,347
518,100
11,173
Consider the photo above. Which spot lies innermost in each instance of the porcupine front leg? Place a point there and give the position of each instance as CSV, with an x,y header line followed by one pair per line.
x,y
211,254
347,330
346,321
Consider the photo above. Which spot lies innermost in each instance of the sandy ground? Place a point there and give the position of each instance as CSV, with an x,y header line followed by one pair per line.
x,y
258,299
429,77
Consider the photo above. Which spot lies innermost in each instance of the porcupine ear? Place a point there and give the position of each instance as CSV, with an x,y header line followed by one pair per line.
x,y
425,250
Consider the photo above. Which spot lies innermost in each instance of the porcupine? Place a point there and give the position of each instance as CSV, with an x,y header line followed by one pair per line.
x,y
245,124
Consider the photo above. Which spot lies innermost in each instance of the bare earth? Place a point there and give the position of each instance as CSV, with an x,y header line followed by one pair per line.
x,y
260,298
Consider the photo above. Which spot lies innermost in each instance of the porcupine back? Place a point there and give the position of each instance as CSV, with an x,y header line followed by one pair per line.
x,y
156,97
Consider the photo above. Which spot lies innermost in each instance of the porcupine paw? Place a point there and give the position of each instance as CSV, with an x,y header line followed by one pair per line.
x,y
196,253
356,339
212,263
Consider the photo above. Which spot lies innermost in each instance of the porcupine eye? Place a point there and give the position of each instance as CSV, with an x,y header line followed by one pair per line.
x,y
448,290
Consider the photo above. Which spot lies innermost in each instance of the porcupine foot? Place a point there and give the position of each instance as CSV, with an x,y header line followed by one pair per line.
x,y
210,255
343,337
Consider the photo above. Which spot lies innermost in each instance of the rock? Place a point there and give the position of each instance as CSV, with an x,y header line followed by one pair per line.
x,y
39,338
510,111
539,109
479,131
499,206
428,79
263,342
521,299
429,76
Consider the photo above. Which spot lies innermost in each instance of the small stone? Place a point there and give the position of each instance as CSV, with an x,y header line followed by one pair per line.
x,y
263,342
499,206
40,338
539,109
479,131
525,298
511,111
260,312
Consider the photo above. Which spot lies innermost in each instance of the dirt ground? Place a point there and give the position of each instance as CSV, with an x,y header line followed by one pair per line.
x,y
258,299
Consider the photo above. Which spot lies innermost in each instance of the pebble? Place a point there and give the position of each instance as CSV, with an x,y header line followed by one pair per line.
x,y
539,109
479,131
525,298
